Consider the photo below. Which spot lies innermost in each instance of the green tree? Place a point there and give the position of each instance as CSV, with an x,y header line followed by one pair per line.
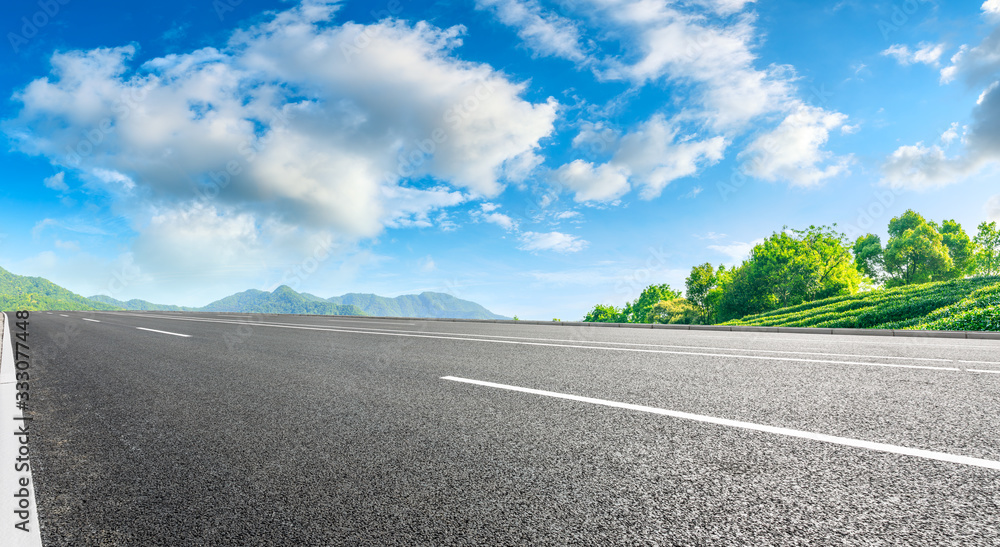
x,y
638,311
678,311
605,314
961,249
988,252
790,267
699,284
915,252
868,257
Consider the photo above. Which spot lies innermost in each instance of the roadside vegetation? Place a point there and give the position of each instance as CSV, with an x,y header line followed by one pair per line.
x,y
926,276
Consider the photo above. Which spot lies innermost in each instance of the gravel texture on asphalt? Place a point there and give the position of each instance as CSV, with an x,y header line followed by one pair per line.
x,y
249,434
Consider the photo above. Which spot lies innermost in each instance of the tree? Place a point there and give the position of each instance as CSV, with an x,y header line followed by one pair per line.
x,y
678,311
916,252
605,314
868,257
961,249
790,267
638,311
988,252
700,284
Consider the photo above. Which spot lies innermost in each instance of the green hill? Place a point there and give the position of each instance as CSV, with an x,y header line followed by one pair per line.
x,y
965,304
283,300
137,305
35,294
427,304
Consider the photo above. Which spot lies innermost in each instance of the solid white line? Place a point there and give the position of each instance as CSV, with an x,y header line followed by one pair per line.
x,y
602,348
386,332
843,441
784,352
165,332
983,371
10,446
91,320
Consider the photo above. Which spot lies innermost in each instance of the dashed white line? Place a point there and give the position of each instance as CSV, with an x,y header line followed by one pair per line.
x,y
61,315
831,439
165,332
574,346
91,320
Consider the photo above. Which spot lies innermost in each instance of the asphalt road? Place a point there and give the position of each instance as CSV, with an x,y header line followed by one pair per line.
x,y
283,430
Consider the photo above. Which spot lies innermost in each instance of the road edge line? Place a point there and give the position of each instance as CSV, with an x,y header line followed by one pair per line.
x,y
9,446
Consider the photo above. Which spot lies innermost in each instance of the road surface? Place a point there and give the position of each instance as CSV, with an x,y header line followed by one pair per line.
x,y
227,429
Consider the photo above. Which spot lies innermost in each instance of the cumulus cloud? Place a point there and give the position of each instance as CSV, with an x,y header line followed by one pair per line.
x,y
656,155
551,241
927,53
991,7
978,65
922,166
57,182
297,120
794,150
544,32
650,157
489,213
589,183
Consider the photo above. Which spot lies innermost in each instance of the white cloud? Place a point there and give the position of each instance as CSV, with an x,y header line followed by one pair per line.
x,y
72,246
737,252
551,241
993,208
314,129
426,264
489,212
655,156
566,215
711,236
847,129
951,134
920,167
501,220
651,157
57,182
726,7
927,53
978,65
991,7
714,58
589,183
793,151
546,33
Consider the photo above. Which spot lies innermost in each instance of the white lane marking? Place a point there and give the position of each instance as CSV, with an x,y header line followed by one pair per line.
x,y
61,315
603,348
165,332
91,320
450,334
843,441
48,312
983,371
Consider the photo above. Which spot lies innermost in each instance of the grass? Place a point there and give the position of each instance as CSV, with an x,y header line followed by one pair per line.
x,y
965,304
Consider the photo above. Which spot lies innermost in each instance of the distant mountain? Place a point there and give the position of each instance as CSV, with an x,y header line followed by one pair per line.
x,y
283,300
427,304
35,293
137,305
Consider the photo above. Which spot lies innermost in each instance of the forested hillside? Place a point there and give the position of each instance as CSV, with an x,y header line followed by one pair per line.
x,y
35,293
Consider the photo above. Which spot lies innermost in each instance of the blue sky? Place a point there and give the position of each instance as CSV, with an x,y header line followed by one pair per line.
x,y
535,156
